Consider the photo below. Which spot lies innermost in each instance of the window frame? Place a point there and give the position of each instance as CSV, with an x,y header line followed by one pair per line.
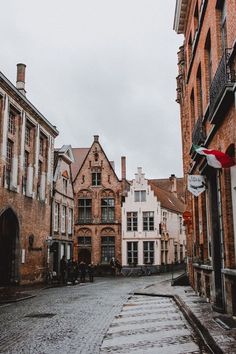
x,y
107,249
87,210
132,253
63,219
96,178
108,210
132,221
148,221
150,251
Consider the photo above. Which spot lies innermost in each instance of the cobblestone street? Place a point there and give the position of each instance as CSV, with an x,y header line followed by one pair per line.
x,y
72,319
75,319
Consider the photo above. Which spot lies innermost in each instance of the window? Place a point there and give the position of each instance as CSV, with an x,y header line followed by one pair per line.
x,y
96,178
223,26
164,217
27,136
26,163
132,253
64,182
140,196
180,225
12,123
199,89
209,60
192,109
132,221
9,155
176,253
70,221
40,170
63,219
108,248
9,158
85,210
25,171
56,216
41,143
84,240
148,221
148,252
108,209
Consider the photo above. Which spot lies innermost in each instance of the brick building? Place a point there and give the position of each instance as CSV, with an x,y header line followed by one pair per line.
x,y
62,219
98,198
206,94
152,227
26,169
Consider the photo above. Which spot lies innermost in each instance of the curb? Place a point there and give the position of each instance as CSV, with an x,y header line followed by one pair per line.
x,y
2,302
195,323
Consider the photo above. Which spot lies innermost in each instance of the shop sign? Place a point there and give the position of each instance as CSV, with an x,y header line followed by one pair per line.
x,y
196,184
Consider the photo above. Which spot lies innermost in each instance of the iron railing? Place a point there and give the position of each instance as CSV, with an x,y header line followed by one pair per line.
x,y
199,133
224,76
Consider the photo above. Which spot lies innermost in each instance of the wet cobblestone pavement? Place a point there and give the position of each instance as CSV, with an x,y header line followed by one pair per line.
x,y
150,325
75,319
70,319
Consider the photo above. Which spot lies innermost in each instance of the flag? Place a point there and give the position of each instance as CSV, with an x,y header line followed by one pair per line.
x,y
215,158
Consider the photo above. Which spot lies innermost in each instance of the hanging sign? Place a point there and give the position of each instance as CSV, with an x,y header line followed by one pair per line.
x,y
196,184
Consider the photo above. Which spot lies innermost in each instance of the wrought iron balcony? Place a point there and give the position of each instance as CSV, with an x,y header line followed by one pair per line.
x,y
224,77
199,133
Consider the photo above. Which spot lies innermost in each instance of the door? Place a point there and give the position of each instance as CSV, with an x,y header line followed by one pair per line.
x,y
9,248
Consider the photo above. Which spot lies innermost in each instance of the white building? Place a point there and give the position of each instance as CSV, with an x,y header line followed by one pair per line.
x,y
62,228
152,228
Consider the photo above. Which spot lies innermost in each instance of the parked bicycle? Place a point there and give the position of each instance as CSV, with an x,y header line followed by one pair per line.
x,y
136,272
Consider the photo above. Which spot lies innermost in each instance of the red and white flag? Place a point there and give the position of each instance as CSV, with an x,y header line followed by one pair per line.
x,y
215,158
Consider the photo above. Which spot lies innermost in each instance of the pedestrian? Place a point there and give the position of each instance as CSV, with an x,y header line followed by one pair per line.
x,y
91,272
118,267
82,269
113,266
63,269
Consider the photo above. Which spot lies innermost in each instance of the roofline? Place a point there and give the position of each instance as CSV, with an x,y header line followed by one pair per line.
x,y
180,16
31,106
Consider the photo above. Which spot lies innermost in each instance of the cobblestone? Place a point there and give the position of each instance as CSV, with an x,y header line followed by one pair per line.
x,y
82,315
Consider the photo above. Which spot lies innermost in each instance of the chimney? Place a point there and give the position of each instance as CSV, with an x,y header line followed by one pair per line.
x,y
20,78
96,137
123,167
173,186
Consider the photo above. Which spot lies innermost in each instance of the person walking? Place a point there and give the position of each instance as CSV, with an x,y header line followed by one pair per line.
x,y
91,272
63,269
82,269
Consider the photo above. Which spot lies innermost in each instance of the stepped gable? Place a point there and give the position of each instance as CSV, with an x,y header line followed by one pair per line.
x,y
79,156
166,198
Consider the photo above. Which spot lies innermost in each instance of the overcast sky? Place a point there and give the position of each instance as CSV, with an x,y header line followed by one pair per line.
x,y
103,67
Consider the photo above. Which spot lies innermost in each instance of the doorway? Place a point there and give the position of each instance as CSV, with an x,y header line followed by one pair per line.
x,y
84,255
9,248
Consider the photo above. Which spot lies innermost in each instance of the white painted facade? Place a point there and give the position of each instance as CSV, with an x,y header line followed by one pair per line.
x,y
166,235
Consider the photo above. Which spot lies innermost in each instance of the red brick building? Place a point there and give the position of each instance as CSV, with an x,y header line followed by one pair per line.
x,y
206,94
26,171
98,197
